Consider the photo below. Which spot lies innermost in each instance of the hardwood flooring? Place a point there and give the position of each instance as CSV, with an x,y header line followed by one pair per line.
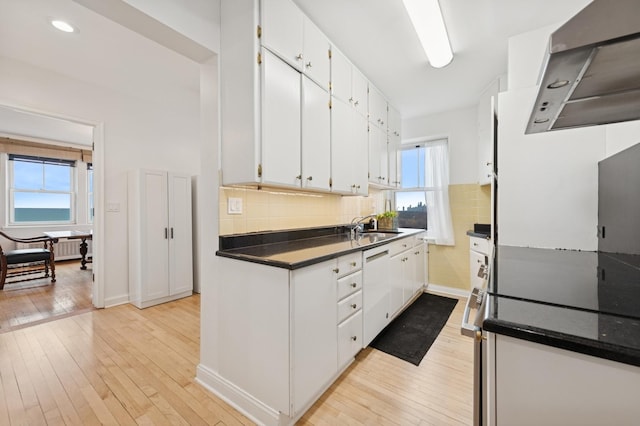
x,y
126,366
380,389
33,302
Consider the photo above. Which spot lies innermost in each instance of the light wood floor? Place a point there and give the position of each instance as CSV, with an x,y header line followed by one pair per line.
x,y
126,366
32,302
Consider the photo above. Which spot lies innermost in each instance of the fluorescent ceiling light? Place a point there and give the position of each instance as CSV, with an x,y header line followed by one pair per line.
x,y
426,18
62,26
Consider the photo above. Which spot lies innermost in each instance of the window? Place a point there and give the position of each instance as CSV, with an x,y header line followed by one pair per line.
x,y
423,201
90,191
41,190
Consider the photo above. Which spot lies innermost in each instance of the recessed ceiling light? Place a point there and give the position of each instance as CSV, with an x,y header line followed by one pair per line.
x,y
62,26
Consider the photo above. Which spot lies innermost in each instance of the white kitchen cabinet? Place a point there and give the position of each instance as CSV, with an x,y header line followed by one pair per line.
x,y
314,331
487,109
281,122
316,137
282,28
349,140
537,384
316,63
377,108
422,263
479,249
378,156
347,82
401,280
160,235
393,147
288,33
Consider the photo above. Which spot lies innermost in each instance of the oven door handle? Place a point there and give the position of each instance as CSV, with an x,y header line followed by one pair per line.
x,y
467,329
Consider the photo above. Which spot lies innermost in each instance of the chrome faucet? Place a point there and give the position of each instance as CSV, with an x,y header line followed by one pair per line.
x,y
356,226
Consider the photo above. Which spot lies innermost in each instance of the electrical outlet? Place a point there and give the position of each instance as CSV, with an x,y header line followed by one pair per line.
x,y
234,205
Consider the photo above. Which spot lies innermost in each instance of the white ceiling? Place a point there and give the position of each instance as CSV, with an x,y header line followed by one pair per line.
x,y
378,37
375,34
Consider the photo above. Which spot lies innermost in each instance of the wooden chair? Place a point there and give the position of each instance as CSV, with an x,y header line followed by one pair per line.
x,y
24,262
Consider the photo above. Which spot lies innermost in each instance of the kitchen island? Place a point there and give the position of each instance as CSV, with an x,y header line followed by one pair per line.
x,y
563,337
293,311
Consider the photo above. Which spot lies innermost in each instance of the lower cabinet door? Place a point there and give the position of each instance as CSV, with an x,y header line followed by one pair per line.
x,y
349,338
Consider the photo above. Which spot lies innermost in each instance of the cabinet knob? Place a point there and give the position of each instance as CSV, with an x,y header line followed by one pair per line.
x,y
354,338
308,64
353,186
354,285
299,177
310,178
357,186
404,245
354,306
489,163
381,122
475,244
336,270
351,100
356,103
353,264
299,57
416,253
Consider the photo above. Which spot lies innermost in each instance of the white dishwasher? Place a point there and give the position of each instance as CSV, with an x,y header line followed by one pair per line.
x,y
375,270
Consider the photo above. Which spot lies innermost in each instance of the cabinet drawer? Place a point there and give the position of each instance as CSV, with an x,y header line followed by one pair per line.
x,y
349,284
349,263
349,305
400,246
480,245
349,339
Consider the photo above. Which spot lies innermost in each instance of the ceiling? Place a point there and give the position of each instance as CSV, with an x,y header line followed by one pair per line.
x,y
378,37
375,34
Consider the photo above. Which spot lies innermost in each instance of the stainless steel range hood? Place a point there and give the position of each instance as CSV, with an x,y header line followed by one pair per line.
x,y
591,73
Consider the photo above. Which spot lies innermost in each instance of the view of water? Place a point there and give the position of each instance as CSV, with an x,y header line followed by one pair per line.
x,y
42,215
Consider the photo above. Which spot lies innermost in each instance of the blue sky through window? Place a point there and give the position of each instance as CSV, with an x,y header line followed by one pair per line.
x,y
30,176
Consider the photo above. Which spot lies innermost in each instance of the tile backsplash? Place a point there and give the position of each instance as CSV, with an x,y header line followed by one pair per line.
x,y
274,209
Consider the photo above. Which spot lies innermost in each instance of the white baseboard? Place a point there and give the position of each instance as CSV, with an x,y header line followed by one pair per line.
x,y
447,291
255,410
115,301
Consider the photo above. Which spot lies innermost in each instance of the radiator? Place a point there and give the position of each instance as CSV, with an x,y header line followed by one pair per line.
x,y
63,249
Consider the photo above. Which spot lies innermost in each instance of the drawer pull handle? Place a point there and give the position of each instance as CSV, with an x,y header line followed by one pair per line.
x,y
354,306
354,338
353,264
475,244
354,285
336,270
404,245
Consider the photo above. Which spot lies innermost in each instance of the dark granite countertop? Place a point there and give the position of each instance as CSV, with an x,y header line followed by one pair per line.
x,y
587,302
293,249
478,234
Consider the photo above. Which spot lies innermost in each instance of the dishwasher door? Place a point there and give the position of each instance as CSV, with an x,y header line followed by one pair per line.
x,y
376,287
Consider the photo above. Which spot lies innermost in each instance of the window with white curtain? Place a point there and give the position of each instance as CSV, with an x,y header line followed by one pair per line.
x,y
423,201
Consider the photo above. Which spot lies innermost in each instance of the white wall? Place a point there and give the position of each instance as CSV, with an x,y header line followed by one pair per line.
x,y
137,134
548,182
461,128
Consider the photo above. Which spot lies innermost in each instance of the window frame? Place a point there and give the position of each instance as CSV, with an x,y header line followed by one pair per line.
x,y
73,188
424,189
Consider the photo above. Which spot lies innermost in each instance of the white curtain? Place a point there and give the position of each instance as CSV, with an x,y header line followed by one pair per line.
x,y
437,183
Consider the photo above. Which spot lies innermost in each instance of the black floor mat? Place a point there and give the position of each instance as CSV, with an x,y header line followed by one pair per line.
x,y
412,333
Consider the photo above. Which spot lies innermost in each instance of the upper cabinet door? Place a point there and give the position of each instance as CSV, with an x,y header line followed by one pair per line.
x,y
342,149
340,76
316,136
316,55
283,31
280,122
359,89
377,108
